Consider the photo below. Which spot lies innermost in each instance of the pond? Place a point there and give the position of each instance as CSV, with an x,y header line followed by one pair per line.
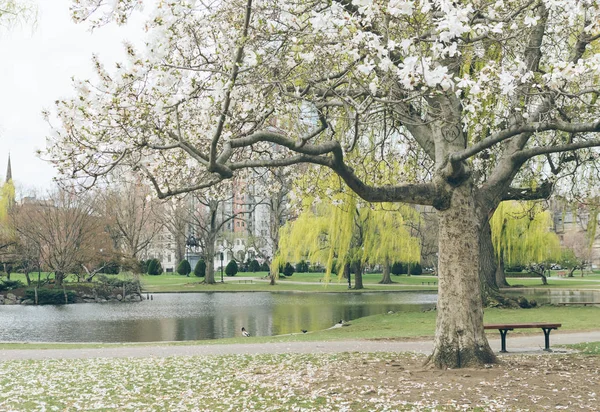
x,y
556,296
195,316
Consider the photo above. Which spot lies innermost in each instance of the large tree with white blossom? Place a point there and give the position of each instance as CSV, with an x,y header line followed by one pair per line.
x,y
465,101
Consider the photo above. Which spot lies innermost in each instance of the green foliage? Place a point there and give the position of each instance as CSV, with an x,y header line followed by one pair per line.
x,y
51,296
254,266
184,268
200,269
302,267
232,268
398,268
288,269
415,269
344,230
8,284
521,234
154,267
265,267
110,268
7,199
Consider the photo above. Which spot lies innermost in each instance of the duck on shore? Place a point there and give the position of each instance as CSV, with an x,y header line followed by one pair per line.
x,y
245,333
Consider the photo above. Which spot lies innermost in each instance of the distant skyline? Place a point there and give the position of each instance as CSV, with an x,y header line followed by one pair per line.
x,y
36,67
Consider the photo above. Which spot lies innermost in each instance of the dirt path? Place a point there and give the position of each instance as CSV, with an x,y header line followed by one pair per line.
x,y
515,345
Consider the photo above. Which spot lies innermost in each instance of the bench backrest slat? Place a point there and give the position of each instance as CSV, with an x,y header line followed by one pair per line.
x,y
522,325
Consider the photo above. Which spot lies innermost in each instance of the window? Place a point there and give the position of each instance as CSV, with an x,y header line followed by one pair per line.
x,y
238,224
169,258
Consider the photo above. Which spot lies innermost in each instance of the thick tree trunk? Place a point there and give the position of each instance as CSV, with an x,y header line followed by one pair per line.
x,y
386,279
358,283
487,264
460,340
58,278
501,275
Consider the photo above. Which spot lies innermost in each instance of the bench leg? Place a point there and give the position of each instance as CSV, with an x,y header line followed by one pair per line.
x,y
503,333
547,338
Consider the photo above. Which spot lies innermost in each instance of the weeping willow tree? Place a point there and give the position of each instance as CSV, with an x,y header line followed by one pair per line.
x,y
522,236
345,233
388,238
7,235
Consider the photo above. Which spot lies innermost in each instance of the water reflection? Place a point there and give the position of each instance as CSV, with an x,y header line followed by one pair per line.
x,y
180,317
556,296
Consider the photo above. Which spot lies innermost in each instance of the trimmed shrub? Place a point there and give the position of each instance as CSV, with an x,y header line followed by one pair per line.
x,y
200,269
184,268
415,269
232,268
288,269
265,267
513,269
254,266
302,267
154,267
398,268
7,284
51,296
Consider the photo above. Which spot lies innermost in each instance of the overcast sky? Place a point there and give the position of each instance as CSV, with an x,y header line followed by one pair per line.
x,y
36,67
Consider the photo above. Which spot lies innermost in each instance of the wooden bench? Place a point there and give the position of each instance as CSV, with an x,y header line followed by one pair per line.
x,y
428,283
577,303
505,327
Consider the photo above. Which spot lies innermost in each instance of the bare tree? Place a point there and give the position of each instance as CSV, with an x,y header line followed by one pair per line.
x,y
63,228
134,219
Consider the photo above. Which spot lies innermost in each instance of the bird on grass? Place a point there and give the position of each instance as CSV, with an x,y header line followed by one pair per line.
x,y
303,330
245,333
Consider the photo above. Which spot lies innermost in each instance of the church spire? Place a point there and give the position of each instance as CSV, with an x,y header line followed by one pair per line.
x,y
8,171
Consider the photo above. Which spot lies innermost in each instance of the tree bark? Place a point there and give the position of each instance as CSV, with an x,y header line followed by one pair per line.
x,y
487,263
386,279
358,283
501,275
209,258
460,340
58,278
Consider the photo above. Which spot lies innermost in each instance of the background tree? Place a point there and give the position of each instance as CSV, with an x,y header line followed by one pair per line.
x,y
522,235
8,238
465,101
134,219
576,253
208,217
63,228
14,12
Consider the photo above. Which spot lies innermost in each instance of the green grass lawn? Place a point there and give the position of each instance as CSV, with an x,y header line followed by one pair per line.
x,y
316,282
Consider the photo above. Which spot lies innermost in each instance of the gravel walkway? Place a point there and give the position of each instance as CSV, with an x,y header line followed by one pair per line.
x,y
515,344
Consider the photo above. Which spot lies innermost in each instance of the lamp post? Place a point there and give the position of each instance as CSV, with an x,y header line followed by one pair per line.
x,y
222,267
